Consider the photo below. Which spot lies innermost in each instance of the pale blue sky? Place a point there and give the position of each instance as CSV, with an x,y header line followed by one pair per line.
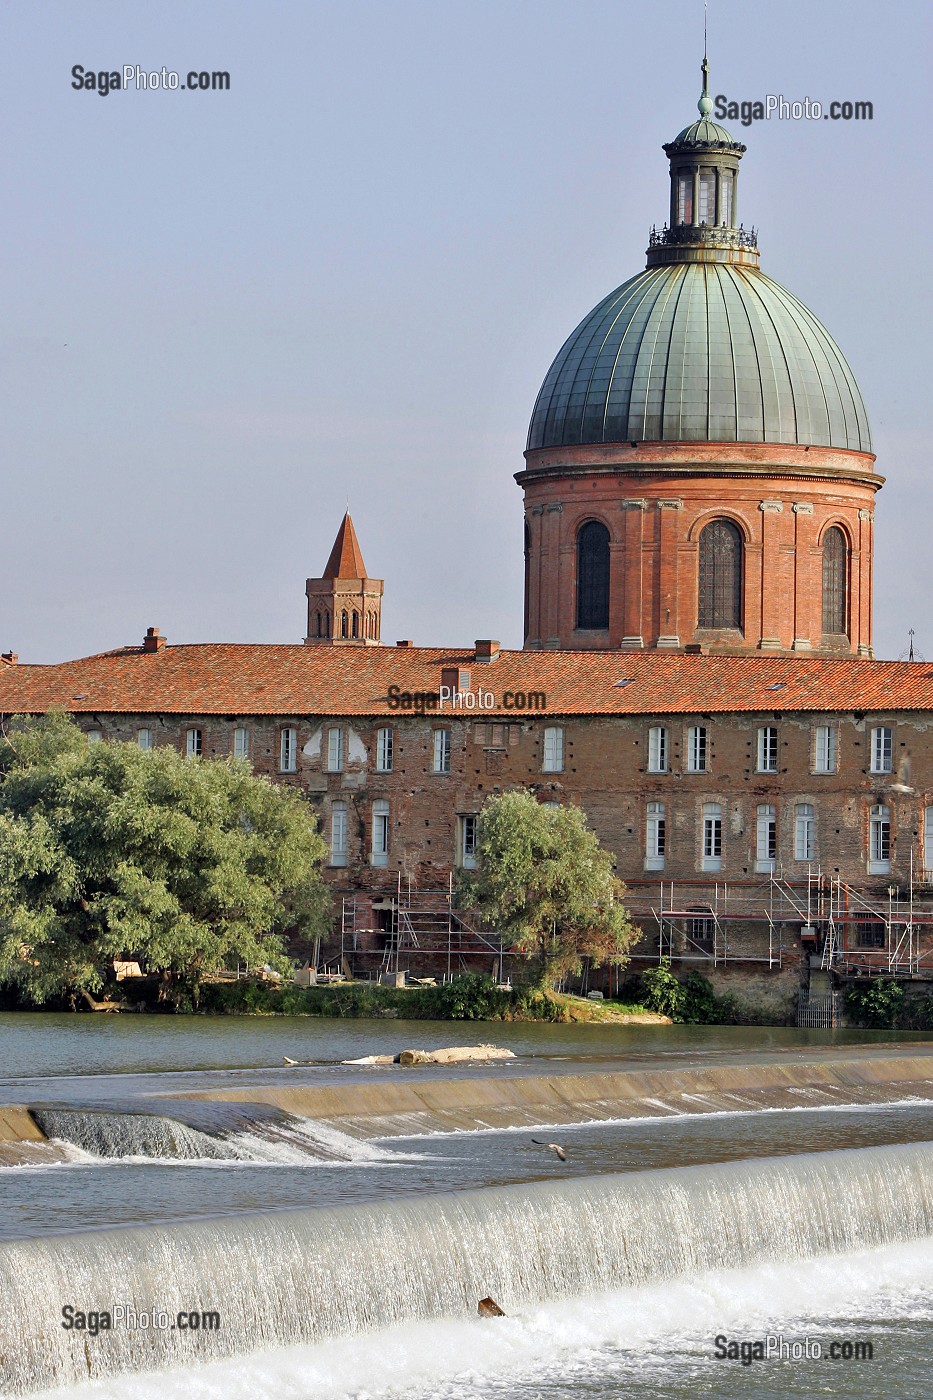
x,y
227,314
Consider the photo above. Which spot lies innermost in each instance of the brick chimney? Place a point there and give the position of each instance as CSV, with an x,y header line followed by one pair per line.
x,y
487,651
407,643
152,641
9,658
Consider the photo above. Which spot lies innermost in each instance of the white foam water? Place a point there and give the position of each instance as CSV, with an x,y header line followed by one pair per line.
x,y
311,1276
604,1345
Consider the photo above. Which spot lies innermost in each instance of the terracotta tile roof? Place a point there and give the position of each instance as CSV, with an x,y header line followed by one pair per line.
x,y
346,557
297,680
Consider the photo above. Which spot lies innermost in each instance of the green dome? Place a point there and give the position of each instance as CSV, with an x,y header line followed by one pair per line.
x,y
700,352
704,133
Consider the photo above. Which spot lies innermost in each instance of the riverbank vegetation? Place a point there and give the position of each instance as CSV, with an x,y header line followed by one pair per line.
x,y
113,851
548,887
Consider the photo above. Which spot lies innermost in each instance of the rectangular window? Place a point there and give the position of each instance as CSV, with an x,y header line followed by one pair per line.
x,y
685,197
712,836
706,213
824,749
696,749
655,836
804,844
766,839
879,841
241,743
384,750
94,736
335,750
193,743
657,749
442,750
288,751
338,834
882,747
380,850
144,738
768,749
468,839
928,843
553,751
725,197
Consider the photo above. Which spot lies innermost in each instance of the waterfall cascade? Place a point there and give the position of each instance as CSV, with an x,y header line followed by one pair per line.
x,y
276,1137
288,1277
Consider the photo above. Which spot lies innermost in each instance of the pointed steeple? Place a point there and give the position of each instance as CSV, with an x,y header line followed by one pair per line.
x,y
346,557
344,605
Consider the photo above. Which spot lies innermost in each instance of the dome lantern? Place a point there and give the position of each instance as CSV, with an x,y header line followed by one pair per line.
x,y
703,219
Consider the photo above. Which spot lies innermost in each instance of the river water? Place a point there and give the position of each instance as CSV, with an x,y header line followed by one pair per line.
x,y
343,1265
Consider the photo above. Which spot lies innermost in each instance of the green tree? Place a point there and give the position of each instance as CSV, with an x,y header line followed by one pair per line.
x,y
108,850
548,887
663,991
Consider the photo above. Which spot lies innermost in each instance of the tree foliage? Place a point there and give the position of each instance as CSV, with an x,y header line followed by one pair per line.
x,y
110,851
548,887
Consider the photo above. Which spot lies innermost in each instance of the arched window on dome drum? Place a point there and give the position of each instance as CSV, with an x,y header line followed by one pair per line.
x,y
720,581
835,580
593,576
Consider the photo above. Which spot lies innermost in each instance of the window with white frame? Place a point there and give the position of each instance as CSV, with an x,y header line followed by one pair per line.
x,y
193,743
804,831
380,842
766,838
928,843
882,749
767,749
468,841
879,840
824,748
338,833
442,750
144,738
240,742
697,749
655,836
712,837
288,750
657,749
553,761
335,750
384,747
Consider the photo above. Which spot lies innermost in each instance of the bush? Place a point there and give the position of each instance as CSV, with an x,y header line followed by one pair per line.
x,y
876,1006
471,997
663,991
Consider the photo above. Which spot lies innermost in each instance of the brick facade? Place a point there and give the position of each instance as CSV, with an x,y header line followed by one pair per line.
x,y
655,499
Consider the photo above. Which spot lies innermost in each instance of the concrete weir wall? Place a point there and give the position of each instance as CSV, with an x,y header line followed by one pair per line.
x,y
380,1108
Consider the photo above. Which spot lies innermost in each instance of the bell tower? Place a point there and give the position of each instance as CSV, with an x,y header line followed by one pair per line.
x,y
344,606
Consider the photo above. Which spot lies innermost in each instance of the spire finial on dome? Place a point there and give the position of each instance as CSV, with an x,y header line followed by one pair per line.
x,y
705,104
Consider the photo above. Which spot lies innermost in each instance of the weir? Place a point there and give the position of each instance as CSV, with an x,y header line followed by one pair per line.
x,y
281,1279
263,1137
392,1107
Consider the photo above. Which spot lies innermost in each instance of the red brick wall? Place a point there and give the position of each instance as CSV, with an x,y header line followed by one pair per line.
x,y
655,499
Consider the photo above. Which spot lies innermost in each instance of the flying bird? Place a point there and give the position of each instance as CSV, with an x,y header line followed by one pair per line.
x,y
554,1146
